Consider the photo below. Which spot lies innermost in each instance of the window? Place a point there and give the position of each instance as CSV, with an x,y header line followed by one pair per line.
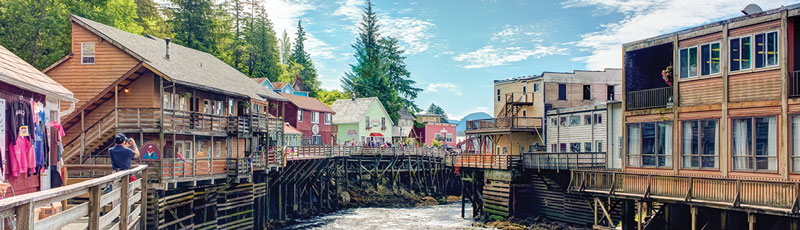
x,y
316,140
536,87
563,147
588,146
688,62
188,150
327,118
218,107
599,146
755,144
87,52
207,107
795,160
598,118
524,113
562,91
230,107
740,51
564,122
299,115
766,49
315,117
524,89
437,136
574,120
167,100
367,122
708,61
383,123
553,148
218,149
587,92
699,143
449,138
587,119
575,147
650,144
610,93
498,94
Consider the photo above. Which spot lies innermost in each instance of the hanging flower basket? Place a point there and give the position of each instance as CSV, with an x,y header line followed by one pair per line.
x,y
666,74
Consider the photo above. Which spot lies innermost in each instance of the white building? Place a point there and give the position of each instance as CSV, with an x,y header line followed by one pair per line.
x,y
592,128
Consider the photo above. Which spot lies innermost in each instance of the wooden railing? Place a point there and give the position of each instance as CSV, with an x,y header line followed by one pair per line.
x,y
489,161
88,139
564,161
124,197
174,168
519,97
780,196
794,84
317,151
504,123
649,98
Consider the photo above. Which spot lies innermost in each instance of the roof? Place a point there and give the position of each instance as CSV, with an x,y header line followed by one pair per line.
x,y
426,114
278,85
298,85
553,73
289,129
404,114
17,72
261,80
352,110
307,103
185,66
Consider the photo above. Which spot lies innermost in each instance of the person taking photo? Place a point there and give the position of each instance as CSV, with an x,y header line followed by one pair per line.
x,y
123,152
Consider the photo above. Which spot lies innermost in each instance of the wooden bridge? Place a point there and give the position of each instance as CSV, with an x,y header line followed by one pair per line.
x,y
109,202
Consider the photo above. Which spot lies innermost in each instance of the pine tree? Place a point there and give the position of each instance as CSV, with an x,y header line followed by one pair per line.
x,y
395,68
299,56
193,24
262,46
435,109
285,48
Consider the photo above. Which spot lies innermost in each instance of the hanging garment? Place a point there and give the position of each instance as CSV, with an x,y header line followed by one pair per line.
x,y
18,159
55,178
57,125
20,116
39,147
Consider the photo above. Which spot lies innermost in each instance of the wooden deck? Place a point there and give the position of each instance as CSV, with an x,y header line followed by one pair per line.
x,y
124,200
564,161
487,161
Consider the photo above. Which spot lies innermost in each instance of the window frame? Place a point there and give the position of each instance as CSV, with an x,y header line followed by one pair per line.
x,y
752,154
328,118
689,62
575,147
562,92
84,54
587,92
668,155
314,117
793,156
750,50
700,154
299,115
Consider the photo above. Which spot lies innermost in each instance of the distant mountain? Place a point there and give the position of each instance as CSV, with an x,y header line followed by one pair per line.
x,y
453,121
462,124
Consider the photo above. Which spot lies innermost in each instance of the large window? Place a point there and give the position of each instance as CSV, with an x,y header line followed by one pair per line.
x,y
708,61
700,144
766,49
755,144
87,52
316,140
562,91
575,147
795,143
449,138
574,120
741,50
650,144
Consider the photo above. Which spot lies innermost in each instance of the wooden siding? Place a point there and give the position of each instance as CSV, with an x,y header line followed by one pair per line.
x,y
755,86
582,133
715,37
755,111
647,118
762,27
699,92
87,80
700,115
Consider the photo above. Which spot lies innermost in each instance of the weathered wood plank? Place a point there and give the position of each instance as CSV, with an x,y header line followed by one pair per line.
x,y
63,218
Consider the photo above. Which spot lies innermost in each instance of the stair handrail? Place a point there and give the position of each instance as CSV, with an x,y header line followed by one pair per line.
x,y
87,129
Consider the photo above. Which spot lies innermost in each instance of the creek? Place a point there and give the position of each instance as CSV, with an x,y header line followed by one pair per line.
x,y
446,216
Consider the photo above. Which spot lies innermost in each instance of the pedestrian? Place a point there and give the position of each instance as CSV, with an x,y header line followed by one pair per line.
x,y
123,152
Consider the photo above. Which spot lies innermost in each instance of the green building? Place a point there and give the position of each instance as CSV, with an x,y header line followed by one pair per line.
x,y
361,120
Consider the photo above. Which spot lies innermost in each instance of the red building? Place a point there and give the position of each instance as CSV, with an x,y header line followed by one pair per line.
x,y
444,132
310,116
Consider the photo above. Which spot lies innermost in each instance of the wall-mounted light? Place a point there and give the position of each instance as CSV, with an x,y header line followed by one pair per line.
x,y
126,90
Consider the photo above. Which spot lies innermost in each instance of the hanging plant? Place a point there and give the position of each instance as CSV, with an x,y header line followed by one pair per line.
x,y
666,74
186,95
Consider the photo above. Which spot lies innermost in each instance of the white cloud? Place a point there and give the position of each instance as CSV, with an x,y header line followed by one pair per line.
x,y
478,109
444,87
284,15
413,33
489,55
648,18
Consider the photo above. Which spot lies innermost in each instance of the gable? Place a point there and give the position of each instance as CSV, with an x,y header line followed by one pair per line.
x,y
88,80
288,89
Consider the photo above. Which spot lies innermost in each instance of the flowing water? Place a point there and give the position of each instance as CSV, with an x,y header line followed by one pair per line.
x,y
446,216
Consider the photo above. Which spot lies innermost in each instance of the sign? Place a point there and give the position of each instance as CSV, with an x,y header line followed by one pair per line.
x,y
352,133
150,152
443,130
315,129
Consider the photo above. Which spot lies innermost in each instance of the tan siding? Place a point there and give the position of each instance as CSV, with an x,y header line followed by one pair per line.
x,y
700,40
647,118
86,81
756,86
755,111
700,115
762,27
142,93
699,92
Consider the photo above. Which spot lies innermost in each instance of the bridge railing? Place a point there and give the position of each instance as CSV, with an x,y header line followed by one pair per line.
x,y
315,152
564,160
125,198
486,161
784,196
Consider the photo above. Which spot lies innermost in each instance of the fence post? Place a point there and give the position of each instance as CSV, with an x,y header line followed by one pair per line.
x,y
94,207
124,206
25,216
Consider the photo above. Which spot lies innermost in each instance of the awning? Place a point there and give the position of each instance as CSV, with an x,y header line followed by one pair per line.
x,y
375,135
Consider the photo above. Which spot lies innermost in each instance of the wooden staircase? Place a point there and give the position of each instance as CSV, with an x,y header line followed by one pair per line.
x,y
93,138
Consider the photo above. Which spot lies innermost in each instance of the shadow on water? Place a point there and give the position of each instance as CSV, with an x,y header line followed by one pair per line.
x,y
447,216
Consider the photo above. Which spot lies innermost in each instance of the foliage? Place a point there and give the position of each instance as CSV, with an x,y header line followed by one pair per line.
x,y
308,74
436,143
193,24
262,47
435,109
285,48
380,69
328,97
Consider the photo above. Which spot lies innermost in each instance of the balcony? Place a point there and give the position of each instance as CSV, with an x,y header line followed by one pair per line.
x,y
649,98
503,124
177,121
564,161
519,98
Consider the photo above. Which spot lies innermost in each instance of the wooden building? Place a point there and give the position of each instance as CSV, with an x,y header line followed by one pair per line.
x,y
587,129
712,120
313,119
520,105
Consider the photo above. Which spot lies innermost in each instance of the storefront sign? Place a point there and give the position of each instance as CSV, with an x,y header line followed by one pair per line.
x,y
352,133
150,152
315,129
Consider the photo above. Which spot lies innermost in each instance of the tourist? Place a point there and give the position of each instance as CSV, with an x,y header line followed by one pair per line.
x,y
123,152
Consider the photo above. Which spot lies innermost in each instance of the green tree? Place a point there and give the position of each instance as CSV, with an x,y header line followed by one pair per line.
x,y
193,24
435,109
379,68
262,46
149,17
299,56
285,48
328,97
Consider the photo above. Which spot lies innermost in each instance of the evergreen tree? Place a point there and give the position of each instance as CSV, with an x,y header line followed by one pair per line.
x,y
300,57
435,109
395,68
193,24
149,17
285,48
262,46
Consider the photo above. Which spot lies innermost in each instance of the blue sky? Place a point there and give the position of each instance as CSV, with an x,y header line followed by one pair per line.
x,y
456,48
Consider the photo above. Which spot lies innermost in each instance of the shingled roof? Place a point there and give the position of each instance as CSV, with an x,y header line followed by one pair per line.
x,y
278,85
185,66
353,110
17,72
307,103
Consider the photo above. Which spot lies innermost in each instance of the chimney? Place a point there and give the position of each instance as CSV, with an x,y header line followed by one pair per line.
x,y
167,48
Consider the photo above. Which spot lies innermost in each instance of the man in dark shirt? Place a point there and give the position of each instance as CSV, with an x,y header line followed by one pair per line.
x,y
123,151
